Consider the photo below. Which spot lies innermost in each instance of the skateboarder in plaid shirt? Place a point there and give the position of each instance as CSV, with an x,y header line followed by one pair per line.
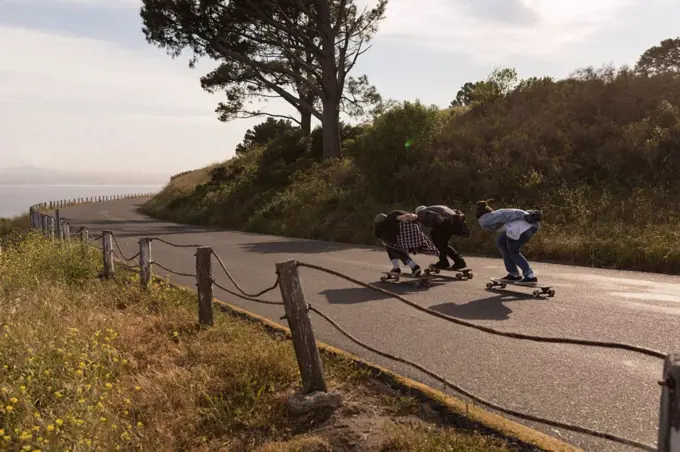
x,y
444,223
401,234
515,228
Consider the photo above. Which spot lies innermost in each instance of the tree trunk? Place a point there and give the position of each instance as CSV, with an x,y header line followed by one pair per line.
x,y
332,142
306,123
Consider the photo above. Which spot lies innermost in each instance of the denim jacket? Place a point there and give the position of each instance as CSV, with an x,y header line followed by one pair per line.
x,y
495,220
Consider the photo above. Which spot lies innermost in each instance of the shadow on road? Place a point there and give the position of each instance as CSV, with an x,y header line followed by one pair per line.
x,y
490,308
294,246
352,295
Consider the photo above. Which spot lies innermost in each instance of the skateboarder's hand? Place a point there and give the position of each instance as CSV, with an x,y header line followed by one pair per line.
x,y
408,217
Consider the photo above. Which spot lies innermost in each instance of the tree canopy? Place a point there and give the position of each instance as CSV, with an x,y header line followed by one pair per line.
x,y
299,50
660,59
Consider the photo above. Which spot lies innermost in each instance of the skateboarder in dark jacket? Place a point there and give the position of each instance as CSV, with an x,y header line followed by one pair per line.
x,y
401,234
444,223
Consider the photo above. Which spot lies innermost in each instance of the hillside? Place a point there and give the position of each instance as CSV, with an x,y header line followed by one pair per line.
x,y
598,152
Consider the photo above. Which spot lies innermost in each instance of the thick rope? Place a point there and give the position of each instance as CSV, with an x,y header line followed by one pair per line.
x,y
156,239
173,271
120,250
233,281
245,297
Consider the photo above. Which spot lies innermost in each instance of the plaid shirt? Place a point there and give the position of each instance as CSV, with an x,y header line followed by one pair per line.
x,y
411,239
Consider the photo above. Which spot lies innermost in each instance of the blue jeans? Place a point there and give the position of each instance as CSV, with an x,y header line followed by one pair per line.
x,y
510,250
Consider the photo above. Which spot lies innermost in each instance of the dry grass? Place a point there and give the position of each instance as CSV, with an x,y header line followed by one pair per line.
x,y
95,365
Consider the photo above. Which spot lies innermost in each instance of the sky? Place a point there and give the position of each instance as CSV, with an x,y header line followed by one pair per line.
x,y
80,88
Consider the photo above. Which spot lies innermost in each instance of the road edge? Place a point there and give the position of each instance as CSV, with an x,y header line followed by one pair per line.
x,y
438,400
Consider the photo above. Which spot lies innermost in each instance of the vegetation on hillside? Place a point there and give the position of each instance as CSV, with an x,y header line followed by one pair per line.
x,y
598,152
88,364
13,225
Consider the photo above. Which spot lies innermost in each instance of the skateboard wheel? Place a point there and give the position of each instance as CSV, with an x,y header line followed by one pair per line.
x,y
503,286
427,271
436,271
459,276
489,285
383,279
396,278
536,293
470,275
551,293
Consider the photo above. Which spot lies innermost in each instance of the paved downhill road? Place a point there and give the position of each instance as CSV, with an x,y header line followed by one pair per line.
x,y
609,390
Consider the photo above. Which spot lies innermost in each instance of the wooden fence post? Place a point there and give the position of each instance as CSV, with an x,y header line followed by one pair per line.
x,y
50,228
204,284
66,231
108,254
57,223
31,216
45,225
669,414
145,262
306,351
84,238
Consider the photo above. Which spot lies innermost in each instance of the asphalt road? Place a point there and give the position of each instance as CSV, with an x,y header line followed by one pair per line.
x,y
609,390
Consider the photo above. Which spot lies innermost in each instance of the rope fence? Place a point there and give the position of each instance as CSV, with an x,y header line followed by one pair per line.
x,y
297,313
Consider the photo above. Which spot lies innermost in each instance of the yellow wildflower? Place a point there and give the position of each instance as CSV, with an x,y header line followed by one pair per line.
x,y
59,422
14,400
50,428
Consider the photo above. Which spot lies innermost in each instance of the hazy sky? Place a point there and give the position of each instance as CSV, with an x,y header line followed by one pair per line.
x,y
81,88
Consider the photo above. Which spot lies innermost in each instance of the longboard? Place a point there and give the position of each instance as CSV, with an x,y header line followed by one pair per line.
x,y
465,273
423,279
537,292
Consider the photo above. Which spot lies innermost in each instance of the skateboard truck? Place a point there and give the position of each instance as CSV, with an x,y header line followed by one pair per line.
x,y
465,273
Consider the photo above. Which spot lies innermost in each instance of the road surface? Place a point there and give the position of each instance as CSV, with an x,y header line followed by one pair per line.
x,y
604,389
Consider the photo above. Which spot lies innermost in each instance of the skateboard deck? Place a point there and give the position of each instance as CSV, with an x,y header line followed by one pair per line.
x,y
464,273
423,279
538,289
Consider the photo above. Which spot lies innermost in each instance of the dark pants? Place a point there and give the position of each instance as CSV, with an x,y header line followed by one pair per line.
x,y
440,237
510,250
394,254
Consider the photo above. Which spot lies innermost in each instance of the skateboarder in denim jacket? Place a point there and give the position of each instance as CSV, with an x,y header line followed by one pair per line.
x,y
515,227
401,234
444,223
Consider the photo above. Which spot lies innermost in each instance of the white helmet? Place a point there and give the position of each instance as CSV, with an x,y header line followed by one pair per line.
x,y
378,218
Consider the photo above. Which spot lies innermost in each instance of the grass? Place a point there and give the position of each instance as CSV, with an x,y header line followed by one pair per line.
x,y
102,365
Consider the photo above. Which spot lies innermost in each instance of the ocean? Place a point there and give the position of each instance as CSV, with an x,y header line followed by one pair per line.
x,y
16,199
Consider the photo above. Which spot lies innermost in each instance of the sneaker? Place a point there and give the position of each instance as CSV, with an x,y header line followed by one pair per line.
x,y
511,278
395,270
459,265
528,281
416,271
441,265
